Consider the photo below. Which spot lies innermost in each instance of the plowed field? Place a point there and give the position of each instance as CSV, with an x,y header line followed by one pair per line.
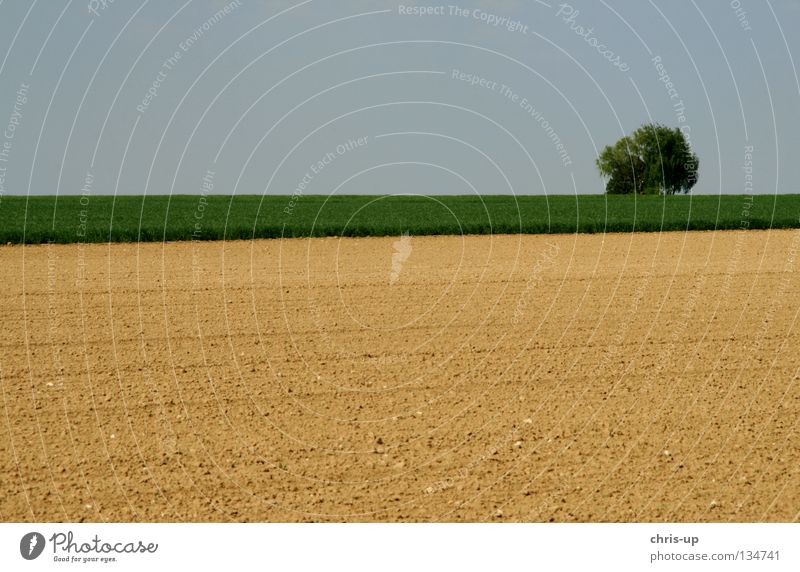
x,y
618,377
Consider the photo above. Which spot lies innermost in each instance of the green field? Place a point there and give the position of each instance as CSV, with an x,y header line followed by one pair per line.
x,y
157,218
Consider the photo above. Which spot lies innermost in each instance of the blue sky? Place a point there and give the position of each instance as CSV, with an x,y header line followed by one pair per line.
x,y
354,97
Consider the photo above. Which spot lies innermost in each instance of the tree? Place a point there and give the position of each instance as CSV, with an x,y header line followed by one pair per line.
x,y
654,159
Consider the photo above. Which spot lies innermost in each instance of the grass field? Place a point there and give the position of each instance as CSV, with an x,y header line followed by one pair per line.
x,y
157,218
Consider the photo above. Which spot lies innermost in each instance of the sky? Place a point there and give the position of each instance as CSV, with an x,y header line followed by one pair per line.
x,y
377,97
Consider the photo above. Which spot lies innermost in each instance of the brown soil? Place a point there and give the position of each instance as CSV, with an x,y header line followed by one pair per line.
x,y
636,377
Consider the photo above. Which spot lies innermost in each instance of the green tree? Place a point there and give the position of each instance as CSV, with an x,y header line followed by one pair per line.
x,y
654,159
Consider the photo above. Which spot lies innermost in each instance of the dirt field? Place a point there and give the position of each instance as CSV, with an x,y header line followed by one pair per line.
x,y
639,377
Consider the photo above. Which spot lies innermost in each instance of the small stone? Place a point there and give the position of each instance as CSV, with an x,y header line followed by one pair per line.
x,y
713,504
49,384
499,513
528,421
113,436
667,453
518,444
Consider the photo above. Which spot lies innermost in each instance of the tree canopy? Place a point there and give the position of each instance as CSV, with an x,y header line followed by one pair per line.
x,y
654,159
